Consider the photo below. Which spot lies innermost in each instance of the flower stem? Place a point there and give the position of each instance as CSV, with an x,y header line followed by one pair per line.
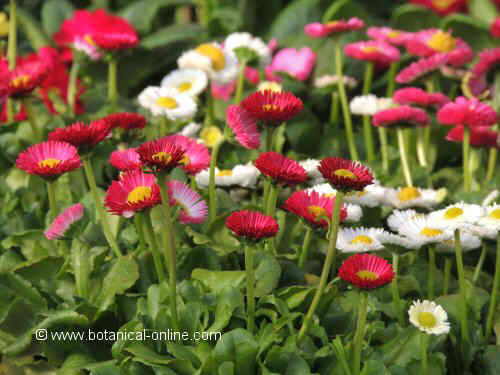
x,y
89,174
447,272
305,247
51,192
367,126
492,162
334,109
241,83
421,147
73,85
345,106
391,82
12,52
494,294
169,244
396,299
404,157
249,269
464,331
360,332
432,272
424,342
329,263
153,245
32,119
466,164
271,201
212,193
113,83
384,144
480,262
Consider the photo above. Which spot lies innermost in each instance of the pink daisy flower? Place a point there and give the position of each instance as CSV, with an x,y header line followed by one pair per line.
x,y
488,61
125,160
125,120
480,136
298,63
378,52
388,35
244,127
194,210
280,169
495,28
419,97
196,156
252,225
422,67
223,91
465,112
403,116
320,30
443,7
64,221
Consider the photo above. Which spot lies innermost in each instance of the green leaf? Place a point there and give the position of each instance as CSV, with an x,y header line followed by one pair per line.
x,y
173,34
217,281
473,31
411,17
227,301
345,9
54,12
238,347
267,274
491,360
32,29
23,288
483,10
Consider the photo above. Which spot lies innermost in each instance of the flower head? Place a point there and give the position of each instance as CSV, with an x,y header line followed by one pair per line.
x,y
244,127
245,176
252,225
368,105
83,136
422,67
429,317
419,97
467,112
280,169
321,30
125,120
456,216
298,63
413,197
49,159
134,191
366,271
420,231
125,160
161,154
487,64
247,40
469,240
403,116
388,35
64,221
165,101
345,174
443,7
196,156
193,208
378,52
357,240
370,196
491,218
186,81
480,136
272,107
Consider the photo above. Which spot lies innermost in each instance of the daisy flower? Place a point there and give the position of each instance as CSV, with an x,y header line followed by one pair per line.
x,y
49,159
245,176
165,101
297,63
467,112
365,105
321,30
244,127
429,317
403,116
480,136
190,130
419,97
488,61
161,154
125,160
354,213
134,191
186,81
376,51
420,231
196,156
247,40
280,169
329,80
399,217
468,242
491,218
313,173
414,197
210,136
371,196
194,210
63,221
456,216
221,65
273,108
366,271
356,240
81,135
345,174
270,85
125,120
389,35
495,28
252,225
421,68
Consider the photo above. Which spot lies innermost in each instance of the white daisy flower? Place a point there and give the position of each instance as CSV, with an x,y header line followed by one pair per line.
x,y
401,241
414,197
456,216
468,242
354,213
162,101
371,196
366,105
384,103
269,85
186,81
247,40
190,130
421,232
220,65
311,167
429,317
241,175
193,208
323,189
332,80
398,218
490,198
352,240
491,218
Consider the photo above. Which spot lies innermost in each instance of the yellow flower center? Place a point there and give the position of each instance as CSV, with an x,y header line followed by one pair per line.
x,y
367,275
442,4
225,173
453,213
361,239
370,49
89,40
430,232
332,23
167,102
346,173
317,211
442,42
184,86
139,194
271,108
215,55
211,136
162,156
270,86
185,160
427,319
495,214
408,193
49,163
20,81
393,34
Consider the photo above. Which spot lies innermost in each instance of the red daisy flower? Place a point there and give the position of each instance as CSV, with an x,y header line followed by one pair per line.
x,y
63,221
196,156
82,135
495,28
488,62
272,107
345,175
376,51
422,67
49,159
244,127
313,207
161,154
89,32
320,30
465,112
125,160
366,271
419,97
403,116
280,169
134,191
388,35
443,7
126,120
480,136
252,225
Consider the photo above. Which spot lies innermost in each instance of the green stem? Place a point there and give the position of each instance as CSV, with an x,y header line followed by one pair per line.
x,y
271,202
391,82
305,246
12,52
404,157
113,82
329,263
139,226
466,164
384,144
334,109
396,299
432,272
169,244
209,114
73,85
360,332
464,331
492,162
345,106
447,273
241,83
271,130
480,262
424,341
153,245
89,174
421,147
51,192
494,294
249,269
212,193
32,119
367,126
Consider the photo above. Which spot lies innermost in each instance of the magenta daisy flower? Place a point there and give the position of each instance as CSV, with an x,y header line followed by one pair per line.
x,y
419,97
345,175
464,112
376,51
64,221
480,136
161,154
125,120
252,225
488,62
321,30
272,107
366,271
244,127
422,67
280,169
82,135
388,35
125,160
194,209
403,116
196,156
